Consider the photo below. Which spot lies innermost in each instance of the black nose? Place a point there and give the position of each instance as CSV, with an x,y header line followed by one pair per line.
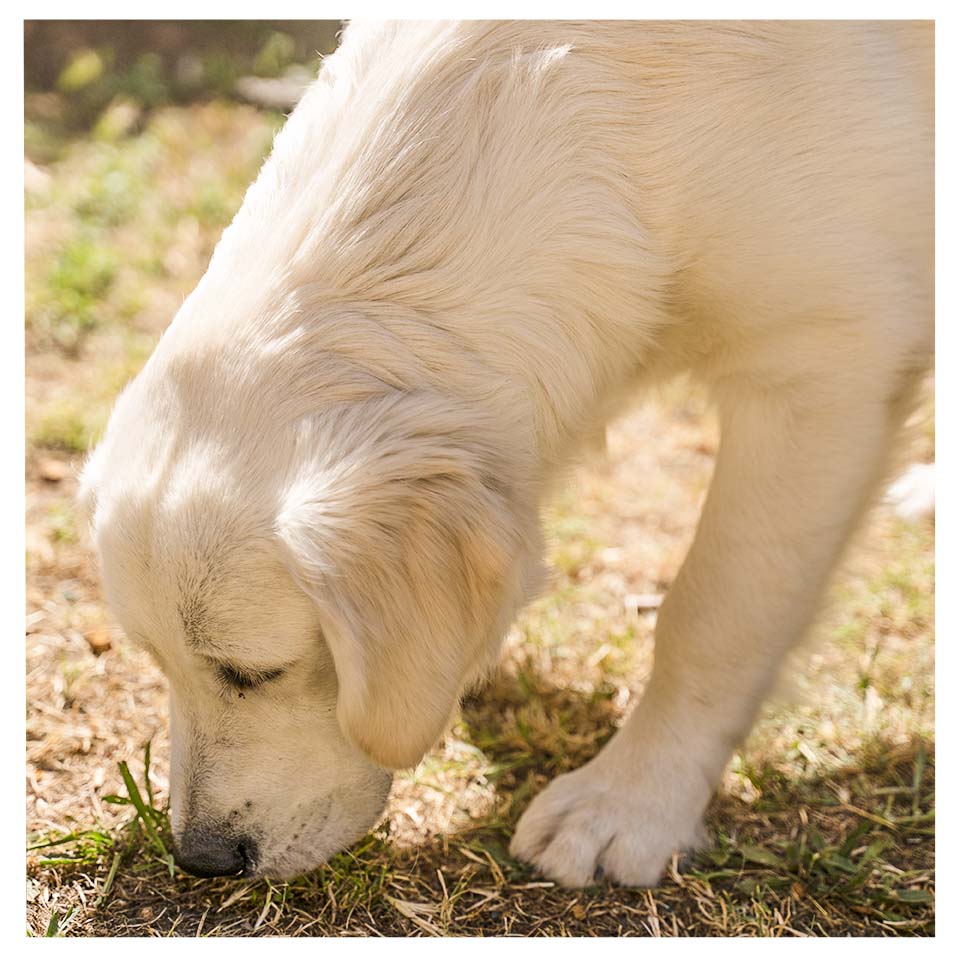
x,y
212,851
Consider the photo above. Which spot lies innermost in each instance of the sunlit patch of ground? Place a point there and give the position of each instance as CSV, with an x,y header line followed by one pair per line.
x,y
824,822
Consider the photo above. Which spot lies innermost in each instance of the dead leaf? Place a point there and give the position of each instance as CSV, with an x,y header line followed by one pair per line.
x,y
98,640
53,471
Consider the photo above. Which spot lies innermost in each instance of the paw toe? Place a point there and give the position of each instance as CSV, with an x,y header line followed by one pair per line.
x,y
571,859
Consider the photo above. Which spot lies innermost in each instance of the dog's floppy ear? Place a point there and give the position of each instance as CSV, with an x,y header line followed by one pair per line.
x,y
409,533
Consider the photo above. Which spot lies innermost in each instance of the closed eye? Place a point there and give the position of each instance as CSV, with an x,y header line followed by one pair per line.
x,y
245,679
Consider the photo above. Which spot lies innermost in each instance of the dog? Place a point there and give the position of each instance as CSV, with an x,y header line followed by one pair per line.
x,y
317,505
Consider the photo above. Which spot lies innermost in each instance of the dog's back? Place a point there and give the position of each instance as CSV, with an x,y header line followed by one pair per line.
x,y
719,189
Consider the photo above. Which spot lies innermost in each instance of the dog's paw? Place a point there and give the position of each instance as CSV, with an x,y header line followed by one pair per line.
x,y
587,826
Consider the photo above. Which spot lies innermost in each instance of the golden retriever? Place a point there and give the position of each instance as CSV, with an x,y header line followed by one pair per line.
x,y
317,505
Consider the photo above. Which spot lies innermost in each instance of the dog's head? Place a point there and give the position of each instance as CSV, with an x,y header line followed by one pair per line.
x,y
318,595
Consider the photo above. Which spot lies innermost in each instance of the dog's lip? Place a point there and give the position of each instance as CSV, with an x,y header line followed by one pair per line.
x,y
249,864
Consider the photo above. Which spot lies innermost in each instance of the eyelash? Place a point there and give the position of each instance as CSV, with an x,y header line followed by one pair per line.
x,y
243,680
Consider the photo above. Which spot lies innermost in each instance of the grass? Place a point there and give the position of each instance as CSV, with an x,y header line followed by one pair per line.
x,y
831,857
145,838
823,824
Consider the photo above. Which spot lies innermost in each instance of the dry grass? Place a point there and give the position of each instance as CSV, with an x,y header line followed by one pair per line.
x,y
824,824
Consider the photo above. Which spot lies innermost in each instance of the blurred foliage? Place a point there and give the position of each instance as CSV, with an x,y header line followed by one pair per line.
x,y
80,277
89,65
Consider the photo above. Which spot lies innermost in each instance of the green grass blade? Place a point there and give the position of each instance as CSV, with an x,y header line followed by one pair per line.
x,y
142,809
146,774
853,839
108,883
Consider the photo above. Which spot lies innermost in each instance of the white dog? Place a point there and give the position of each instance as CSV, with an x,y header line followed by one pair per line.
x,y
317,505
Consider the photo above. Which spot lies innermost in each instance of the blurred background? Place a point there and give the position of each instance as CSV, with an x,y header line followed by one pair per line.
x,y
157,62
140,139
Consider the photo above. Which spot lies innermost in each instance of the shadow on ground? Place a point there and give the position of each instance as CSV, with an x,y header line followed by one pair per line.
x,y
848,853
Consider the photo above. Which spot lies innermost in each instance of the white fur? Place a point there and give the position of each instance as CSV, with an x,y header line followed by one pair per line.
x,y
470,241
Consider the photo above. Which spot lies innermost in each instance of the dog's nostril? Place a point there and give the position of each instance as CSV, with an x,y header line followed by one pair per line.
x,y
213,851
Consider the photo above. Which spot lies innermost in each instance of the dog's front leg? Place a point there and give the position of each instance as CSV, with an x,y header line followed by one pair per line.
x,y
791,478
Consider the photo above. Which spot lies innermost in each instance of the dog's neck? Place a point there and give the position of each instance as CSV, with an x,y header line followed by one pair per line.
x,y
440,250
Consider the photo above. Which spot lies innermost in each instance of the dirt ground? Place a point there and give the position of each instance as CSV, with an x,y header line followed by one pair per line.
x,y
823,825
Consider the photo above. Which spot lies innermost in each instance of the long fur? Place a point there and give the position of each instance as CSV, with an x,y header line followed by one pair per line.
x,y
470,242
